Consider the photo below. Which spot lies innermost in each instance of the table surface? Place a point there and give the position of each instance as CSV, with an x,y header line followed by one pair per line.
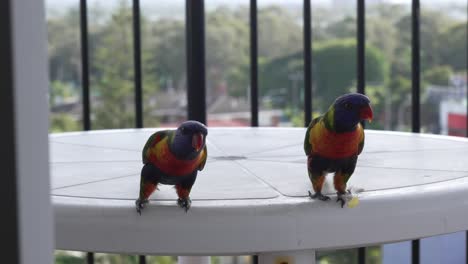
x,y
252,195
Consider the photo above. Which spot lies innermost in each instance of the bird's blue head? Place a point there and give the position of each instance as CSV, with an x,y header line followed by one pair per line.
x,y
189,139
348,110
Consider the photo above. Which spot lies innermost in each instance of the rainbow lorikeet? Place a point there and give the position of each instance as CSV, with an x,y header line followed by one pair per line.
x,y
173,157
333,142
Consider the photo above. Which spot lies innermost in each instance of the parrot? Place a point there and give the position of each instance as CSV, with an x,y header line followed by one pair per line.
x,y
333,142
173,157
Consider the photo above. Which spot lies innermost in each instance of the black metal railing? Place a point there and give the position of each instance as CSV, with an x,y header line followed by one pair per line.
x,y
415,95
361,73
85,65
307,14
90,258
195,29
196,92
253,64
415,68
137,64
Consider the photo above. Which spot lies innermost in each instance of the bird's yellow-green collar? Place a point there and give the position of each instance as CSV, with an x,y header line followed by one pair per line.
x,y
329,118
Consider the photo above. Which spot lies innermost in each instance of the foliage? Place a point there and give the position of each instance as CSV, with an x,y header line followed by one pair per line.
x,y
335,70
64,257
60,92
439,75
63,47
62,122
349,256
373,256
388,59
227,51
113,75
453,46
278,33
166,52
69,257
433,29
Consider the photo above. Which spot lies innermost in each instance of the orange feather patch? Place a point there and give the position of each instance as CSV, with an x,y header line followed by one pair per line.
x,y
334,145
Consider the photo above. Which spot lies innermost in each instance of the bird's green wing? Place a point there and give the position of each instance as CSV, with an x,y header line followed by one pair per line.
x,y
307,144
152,140
204,158
361,141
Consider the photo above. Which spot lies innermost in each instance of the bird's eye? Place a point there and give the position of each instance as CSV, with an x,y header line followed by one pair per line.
x,y
182,129
347,106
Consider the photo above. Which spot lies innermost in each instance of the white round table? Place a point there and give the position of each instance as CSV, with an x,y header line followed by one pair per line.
x,y
251,198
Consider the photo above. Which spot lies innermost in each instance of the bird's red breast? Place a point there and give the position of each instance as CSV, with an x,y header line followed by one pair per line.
x,y
161,156
334,145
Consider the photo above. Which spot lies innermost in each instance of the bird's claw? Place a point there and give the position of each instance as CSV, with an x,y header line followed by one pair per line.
x,y
319,195
140,204
341,199
184,203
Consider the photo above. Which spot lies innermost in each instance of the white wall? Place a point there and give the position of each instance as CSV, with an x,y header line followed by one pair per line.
x,y
31,124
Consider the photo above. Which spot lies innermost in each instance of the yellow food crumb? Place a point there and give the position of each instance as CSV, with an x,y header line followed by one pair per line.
x,y
353,203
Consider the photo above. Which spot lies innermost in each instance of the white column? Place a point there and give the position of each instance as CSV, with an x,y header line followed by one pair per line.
x,y
194,260
288,257
30,89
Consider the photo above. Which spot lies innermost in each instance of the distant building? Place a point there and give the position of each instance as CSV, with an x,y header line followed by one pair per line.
x,y
452,102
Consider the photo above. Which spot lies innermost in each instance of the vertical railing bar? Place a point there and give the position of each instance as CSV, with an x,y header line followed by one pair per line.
x,y
137,64
90,258
195,32
85,65
361,46
466,233
188,45
85,81
255,259
307,15
466,133
253,64
415,251
466,78
466,236
361,255
361,74
415,69
142,259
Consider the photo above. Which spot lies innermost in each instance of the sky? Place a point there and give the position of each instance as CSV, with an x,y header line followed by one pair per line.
x,y
170,8
68,3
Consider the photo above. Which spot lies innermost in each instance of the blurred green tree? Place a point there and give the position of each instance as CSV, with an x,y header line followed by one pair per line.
x,y
438,75
112,78
334,73
453,46
388,69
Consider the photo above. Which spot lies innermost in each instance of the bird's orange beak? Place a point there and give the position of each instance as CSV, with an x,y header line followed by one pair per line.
x,y
366,113
197,141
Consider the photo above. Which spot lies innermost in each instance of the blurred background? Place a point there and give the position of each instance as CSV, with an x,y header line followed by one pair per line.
x,y
280,57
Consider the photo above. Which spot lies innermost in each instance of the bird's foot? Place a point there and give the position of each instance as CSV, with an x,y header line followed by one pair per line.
x,y
140,204
341,198
184,203
319,195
